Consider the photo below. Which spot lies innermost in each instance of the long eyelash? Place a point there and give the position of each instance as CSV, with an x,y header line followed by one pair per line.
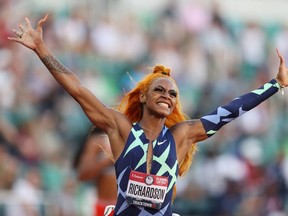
x,y
158,88
173,93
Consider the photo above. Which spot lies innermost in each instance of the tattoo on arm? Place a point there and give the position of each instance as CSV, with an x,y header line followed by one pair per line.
x,y
54,66
191,122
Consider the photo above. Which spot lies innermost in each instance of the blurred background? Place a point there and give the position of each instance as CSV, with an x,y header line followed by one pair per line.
x,y
217,50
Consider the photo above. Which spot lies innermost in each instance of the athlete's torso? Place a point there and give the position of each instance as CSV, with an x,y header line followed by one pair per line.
x,y
133,157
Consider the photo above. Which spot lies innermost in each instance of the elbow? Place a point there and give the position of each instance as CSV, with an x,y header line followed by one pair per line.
x,y
86,174
81,176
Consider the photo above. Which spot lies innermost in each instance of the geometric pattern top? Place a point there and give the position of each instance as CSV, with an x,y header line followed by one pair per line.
x,y
134,156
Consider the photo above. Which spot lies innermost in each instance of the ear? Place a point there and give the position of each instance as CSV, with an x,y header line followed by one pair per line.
x,y
142,97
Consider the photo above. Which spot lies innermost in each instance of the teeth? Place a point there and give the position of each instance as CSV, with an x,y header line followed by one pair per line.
x,y
164,105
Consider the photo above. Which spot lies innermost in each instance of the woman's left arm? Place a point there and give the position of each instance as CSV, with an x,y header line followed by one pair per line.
x,y
240,105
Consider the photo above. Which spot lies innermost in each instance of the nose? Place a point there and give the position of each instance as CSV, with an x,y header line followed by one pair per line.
x,y
166,97
166,94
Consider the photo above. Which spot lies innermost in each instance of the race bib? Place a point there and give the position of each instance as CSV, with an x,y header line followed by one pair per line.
x,y
146,190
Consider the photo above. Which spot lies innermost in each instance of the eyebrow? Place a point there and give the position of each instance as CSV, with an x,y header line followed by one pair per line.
x,y
169,90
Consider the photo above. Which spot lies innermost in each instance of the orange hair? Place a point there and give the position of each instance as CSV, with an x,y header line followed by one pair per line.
x,y
131,106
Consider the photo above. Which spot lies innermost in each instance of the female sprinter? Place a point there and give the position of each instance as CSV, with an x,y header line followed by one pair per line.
x,y
151,139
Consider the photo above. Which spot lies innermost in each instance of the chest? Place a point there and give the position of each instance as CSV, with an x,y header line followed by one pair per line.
x,y
153,157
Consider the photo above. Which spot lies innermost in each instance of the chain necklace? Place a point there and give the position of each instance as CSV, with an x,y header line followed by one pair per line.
x,y
148,130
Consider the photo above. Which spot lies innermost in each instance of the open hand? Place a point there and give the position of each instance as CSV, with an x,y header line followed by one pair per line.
x,y
28,36
282,75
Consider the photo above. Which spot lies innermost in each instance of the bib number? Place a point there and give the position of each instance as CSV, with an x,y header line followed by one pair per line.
x,y
146,190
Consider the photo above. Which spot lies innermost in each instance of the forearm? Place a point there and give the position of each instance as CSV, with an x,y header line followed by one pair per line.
x,y
237,107
66,78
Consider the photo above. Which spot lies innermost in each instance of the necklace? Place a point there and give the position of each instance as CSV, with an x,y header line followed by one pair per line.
x,y
144,128
150,134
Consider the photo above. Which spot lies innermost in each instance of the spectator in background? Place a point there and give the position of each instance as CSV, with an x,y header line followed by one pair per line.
x,y
253,57
27,198
8,169
94,162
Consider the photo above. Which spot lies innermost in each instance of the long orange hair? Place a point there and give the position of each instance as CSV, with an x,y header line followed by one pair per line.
x,y
131,106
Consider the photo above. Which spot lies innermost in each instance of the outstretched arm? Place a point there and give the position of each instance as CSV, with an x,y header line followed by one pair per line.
x,y
192,131
100,115
225,114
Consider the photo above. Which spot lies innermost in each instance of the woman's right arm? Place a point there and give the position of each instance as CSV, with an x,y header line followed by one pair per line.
x,y
100,115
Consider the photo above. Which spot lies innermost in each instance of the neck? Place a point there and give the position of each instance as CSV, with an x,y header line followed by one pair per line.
x,y
151,127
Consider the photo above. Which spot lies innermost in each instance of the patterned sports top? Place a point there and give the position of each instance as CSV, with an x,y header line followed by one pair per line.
x,y
133,157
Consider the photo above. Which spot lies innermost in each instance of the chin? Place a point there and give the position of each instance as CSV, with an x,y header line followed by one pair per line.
x,y
164,114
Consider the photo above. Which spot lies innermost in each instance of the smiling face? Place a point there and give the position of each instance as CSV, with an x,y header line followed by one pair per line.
x,y
161,97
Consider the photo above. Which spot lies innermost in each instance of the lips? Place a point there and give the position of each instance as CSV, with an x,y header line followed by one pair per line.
x,y
164,104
